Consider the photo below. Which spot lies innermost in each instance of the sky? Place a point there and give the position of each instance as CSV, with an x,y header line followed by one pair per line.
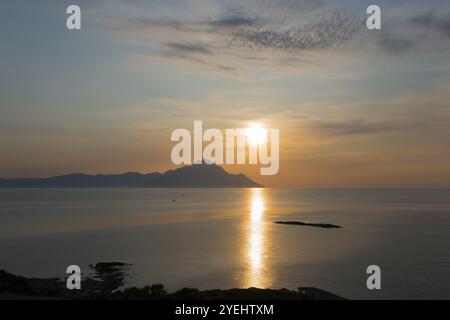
x,y
355,107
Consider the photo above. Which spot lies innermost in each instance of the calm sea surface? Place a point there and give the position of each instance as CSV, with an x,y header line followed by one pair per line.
x,y
223,238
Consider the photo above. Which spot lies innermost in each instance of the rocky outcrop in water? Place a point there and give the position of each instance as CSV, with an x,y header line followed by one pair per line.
x,y
318,225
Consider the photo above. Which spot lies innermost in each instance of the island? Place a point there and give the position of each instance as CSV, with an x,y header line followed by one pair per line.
x,y
318,225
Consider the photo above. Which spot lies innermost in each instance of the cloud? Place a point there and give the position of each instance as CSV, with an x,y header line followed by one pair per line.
x,y
410,118
282,34
353,127
421,31
232,21
434,21
186,48
328,31
394,44
240,36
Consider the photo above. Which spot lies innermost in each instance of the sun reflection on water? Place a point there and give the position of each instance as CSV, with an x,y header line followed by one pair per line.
x,y
256,254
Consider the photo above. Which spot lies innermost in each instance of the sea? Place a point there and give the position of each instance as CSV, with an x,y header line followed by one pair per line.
x,y
228,238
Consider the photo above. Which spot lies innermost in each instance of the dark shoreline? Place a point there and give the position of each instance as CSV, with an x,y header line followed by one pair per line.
x,y
105,287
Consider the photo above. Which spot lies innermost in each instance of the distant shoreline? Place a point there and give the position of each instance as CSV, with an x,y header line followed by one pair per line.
x,y
195,176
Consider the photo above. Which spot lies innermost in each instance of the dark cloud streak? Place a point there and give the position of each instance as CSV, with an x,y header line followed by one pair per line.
x,y
351,128
186,48
394,44
434,21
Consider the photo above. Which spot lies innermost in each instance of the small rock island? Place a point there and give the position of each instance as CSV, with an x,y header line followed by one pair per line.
x,y
317,225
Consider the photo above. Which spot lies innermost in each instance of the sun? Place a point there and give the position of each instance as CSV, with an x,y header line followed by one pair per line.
x,y
256,134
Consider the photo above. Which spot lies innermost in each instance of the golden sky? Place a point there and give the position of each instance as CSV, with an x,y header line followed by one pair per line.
x,y
355,108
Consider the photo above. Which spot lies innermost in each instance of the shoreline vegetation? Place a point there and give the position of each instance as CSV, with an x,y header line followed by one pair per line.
x,y
108,277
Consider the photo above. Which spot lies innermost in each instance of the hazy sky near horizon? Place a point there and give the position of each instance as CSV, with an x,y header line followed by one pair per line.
x,y
356,108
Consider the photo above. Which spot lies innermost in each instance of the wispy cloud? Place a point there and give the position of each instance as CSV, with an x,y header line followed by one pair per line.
x,y
420,31
241,35
282,33
329,30
353,127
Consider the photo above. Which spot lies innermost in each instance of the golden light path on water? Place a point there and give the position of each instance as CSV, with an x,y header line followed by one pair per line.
x,y
256,247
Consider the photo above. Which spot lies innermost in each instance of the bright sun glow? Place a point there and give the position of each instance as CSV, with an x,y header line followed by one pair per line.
x,y
256,134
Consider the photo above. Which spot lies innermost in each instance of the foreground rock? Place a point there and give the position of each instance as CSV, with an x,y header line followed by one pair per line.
x,y
318,225
109,276
19,288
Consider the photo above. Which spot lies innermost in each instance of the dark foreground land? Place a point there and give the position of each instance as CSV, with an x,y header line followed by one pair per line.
x,y
108,277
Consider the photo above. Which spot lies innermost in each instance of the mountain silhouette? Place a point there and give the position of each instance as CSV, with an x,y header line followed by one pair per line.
x,y
200,175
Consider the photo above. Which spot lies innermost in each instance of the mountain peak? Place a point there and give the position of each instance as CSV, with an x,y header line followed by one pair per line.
x,y
199,175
